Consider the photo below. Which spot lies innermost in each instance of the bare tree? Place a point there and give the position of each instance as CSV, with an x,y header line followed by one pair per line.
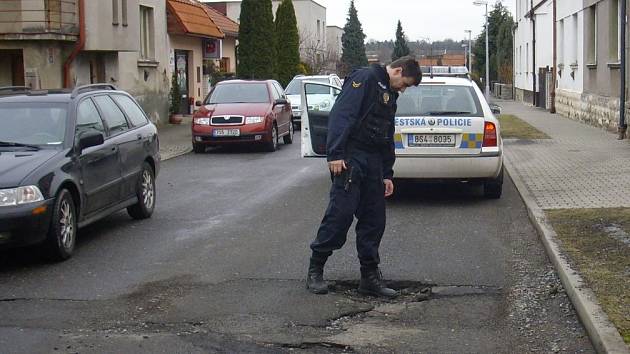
x,y
313,52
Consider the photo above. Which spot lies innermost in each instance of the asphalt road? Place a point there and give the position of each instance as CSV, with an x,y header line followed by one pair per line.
x,y
220,268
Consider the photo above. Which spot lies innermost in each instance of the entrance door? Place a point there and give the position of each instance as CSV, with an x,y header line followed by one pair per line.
x,y
542,87
11,68
17,67
181,67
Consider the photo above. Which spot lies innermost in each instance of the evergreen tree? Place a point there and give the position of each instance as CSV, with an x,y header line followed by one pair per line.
x,y
352,42
401,48
288,55
505,42
500,24
257,49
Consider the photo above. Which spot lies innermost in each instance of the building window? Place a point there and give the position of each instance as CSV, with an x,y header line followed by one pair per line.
x,y
591,34
224,65
53,14
147,34
318,26
574,59
614,37
124,13
526,58
561,43
115,12
520,59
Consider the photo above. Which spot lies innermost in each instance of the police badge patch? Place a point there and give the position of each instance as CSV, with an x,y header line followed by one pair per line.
x,y
386,97
356,84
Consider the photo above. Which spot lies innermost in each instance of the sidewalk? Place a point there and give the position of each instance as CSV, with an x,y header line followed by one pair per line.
x,y
175,139
580,167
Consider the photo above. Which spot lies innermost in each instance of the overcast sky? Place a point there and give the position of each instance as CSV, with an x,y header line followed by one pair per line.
x,y
435,19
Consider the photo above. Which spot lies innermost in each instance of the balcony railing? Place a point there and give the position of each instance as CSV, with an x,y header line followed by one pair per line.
x,y
45,19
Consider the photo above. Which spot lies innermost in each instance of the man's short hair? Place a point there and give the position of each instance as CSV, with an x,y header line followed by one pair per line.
x,y
410,68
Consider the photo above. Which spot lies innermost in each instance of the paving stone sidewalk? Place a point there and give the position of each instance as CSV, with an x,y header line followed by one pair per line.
x,y
175,139
579,167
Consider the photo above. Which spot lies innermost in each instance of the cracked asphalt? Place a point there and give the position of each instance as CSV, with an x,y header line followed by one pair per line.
x,y
220,267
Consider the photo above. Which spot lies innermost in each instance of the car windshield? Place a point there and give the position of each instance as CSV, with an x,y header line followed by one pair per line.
x,y
295,86
33,123
439,100
239,93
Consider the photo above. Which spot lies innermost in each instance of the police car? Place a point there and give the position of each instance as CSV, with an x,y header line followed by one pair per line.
x,y
445,131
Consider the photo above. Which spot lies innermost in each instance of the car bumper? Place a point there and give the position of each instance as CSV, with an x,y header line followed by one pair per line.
x,y
297,116
252,138
20,227
454,168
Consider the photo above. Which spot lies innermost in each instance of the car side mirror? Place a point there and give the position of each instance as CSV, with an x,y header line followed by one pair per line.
x,y
280,101
495,109
89,139
198,103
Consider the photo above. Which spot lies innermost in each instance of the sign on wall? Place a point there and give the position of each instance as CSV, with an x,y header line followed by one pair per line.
x,y
212,48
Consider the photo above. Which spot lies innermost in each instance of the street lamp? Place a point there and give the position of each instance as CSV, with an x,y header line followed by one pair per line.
x,y
485,3
469,50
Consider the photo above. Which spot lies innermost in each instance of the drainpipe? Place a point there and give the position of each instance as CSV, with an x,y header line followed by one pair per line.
x,y
622,99
533,17
552,109
77,48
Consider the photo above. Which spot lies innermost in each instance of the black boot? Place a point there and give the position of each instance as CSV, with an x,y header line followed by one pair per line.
x,y
315,279
372,284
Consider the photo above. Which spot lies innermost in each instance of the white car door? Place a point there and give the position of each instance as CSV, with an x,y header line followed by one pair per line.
x,y
317,100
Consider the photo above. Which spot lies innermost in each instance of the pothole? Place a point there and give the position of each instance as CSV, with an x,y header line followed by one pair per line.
x,y
412,291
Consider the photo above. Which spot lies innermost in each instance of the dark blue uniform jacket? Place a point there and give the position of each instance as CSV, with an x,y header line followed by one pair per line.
x,y
358,95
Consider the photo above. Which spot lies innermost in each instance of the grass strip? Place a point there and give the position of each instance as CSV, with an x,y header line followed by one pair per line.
x,y
513,127
597,242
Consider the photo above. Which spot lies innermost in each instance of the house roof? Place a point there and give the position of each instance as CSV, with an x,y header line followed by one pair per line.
x,y
226,25
192,18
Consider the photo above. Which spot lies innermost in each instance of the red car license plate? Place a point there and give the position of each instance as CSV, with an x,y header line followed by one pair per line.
x,y
226,132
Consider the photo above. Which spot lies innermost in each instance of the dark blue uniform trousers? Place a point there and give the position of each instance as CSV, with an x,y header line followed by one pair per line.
x,y
364,199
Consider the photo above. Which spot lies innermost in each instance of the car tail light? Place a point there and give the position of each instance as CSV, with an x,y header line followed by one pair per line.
x,y
489,134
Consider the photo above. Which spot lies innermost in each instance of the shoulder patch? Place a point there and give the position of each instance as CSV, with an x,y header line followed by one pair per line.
x,y
356,84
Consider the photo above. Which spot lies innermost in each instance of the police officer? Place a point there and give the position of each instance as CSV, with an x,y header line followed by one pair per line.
x,y
360,150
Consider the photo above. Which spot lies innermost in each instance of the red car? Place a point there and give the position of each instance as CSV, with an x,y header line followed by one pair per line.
x,y
243,112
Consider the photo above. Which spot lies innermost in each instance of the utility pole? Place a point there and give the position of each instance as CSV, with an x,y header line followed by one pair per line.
x,y
622,47
469,50
554,70
482,3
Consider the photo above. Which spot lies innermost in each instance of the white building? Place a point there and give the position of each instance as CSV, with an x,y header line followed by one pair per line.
x,y
588,51
570,55
527,67
333,39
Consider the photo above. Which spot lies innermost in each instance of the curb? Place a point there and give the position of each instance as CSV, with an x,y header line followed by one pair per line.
x,y
168,156
603,334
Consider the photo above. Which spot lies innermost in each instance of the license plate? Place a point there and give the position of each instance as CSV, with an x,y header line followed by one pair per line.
x,y
226,132
431,140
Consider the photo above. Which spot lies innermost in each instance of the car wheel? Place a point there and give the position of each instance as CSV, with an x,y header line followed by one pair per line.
x,y
273,144
288,139
145,190
199,148
62,234
493,188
